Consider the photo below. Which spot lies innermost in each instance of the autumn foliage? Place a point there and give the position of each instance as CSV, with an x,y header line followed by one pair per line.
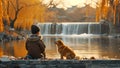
x,y
1,24
108,10
21,14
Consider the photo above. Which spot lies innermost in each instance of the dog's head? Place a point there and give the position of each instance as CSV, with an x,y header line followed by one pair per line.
x,y
59,42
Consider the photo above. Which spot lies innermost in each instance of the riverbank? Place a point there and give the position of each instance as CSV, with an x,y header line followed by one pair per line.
x,y
60,64
8,36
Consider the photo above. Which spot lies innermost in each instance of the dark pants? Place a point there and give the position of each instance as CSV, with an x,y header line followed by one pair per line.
x,y
30,57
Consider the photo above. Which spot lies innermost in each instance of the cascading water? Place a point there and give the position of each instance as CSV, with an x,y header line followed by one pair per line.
x,y
94,28
70,28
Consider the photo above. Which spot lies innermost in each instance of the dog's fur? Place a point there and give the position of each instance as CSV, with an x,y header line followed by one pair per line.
x,y
64,50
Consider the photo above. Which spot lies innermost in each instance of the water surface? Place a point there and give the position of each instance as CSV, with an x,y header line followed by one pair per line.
x,y
85,38
84,46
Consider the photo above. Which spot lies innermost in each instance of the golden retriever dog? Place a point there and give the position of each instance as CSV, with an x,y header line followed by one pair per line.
x,y
65,51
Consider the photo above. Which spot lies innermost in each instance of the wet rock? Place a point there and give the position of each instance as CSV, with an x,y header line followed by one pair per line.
x,y
60,64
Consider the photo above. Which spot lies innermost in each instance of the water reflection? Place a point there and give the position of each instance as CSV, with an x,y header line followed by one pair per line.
x,y
13,48
1,52
98,47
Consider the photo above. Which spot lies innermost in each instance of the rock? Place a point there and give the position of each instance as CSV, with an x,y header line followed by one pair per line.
x,y
4,58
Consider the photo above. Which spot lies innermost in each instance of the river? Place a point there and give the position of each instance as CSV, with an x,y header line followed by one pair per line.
x,y
84,44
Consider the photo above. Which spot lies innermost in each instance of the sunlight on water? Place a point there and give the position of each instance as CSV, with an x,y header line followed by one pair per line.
x,y
87,54
1,51
98,47
13,48
85,39
19,49
84,35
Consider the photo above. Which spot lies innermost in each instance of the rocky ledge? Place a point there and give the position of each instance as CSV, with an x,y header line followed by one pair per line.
x,y
60,64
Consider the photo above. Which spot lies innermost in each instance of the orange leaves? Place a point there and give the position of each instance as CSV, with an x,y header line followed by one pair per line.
x,y
21,13
32,11
104,8
109,9
1,14
1,26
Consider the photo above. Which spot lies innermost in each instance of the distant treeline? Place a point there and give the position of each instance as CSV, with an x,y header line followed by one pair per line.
x,y
21,14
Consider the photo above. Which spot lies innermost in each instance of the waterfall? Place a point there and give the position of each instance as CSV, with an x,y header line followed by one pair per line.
x,y
94,28
70,28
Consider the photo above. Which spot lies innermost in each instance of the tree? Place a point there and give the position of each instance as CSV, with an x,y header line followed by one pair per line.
x,y
1,13
55,3
109,10
22,13
29,15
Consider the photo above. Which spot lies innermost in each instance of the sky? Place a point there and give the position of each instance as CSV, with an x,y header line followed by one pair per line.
x,y
80,3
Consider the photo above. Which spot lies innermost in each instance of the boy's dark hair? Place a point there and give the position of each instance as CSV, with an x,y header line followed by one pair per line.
x,y
34,29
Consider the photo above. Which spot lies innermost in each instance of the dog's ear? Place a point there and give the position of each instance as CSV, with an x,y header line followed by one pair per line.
x,y
61,42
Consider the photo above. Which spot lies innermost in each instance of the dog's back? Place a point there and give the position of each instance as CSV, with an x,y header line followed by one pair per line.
x,y
70,53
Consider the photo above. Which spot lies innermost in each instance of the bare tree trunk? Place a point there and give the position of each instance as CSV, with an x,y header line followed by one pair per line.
x,y
114,14
17,10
